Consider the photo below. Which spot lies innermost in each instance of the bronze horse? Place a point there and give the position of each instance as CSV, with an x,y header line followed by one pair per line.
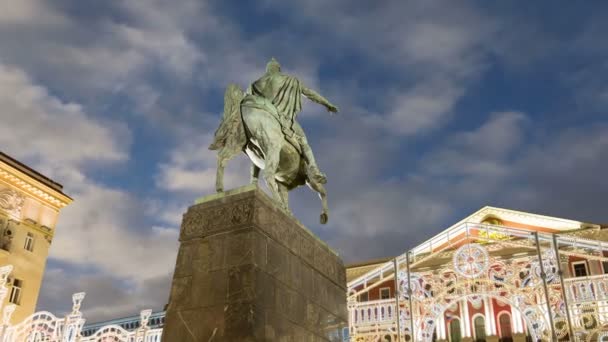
x,y
253,129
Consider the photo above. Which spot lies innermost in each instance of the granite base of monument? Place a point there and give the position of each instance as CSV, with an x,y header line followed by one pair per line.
x,y
247,271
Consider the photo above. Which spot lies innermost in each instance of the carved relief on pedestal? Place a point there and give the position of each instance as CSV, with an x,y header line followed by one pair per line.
x,y
199,222
11,201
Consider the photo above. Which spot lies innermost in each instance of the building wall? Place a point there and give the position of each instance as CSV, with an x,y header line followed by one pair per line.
x,y
28,266
27,206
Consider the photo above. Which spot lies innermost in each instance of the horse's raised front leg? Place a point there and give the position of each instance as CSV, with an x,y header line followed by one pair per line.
x,y
219,175
318,187
223,156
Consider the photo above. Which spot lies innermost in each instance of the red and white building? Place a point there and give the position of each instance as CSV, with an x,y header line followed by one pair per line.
x,y
497,275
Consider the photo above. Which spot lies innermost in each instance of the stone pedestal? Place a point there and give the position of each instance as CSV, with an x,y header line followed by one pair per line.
x,y
247,271
492,338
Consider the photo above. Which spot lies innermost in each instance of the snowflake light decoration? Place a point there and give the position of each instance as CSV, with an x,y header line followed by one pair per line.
x,y
471,260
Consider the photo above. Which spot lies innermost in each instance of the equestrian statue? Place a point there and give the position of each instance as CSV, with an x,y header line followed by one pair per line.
x,y
262,123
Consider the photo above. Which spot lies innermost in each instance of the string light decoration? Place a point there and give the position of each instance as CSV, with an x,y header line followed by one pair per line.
x,y
471,260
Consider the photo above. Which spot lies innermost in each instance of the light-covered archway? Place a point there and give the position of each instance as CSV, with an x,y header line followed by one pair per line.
x,y
476,274
426,334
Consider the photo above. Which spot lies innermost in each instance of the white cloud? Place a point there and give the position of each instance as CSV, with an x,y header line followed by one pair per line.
x,y
106,297
26,11
104,228
191,168
437,51
423,107
61,140
482,152
101,52
372,216
37,125
170,48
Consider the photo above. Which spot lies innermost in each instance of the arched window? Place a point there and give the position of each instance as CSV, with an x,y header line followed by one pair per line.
x,y
504,323
479,322
455,335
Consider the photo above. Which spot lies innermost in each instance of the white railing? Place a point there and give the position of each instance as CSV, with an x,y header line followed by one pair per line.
x,y
373,312
44,326
586,289
154,335
117,333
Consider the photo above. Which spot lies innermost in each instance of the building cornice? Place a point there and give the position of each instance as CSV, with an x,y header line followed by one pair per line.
x,y
33,187
556,223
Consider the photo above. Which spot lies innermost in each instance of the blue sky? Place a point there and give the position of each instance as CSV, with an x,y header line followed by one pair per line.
x,y
444,107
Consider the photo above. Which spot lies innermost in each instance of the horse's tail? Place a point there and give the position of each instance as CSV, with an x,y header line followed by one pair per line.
x,y
231,130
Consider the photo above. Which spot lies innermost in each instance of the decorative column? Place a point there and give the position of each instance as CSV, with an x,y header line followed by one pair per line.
x,y
410,295
465,320
516,321
5,271
440,326
6,319
562,285
144,318
543,275
397,294
74,321
519,331
352,311
490,319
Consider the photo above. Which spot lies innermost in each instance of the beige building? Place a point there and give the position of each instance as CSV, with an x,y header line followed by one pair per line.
x,y
29,207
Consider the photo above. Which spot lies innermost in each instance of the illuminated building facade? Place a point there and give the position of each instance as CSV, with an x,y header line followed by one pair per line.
x,y
497,275
29,206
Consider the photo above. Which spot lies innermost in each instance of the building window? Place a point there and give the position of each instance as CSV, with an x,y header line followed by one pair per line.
x,y
364,297
480,328
15,297
385,293
29,242
455,330
504,321
580,269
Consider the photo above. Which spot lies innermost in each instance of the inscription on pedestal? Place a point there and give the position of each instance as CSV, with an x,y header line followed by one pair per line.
x,y
247,271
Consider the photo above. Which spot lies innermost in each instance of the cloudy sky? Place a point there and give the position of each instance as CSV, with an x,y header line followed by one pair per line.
x,y
445,107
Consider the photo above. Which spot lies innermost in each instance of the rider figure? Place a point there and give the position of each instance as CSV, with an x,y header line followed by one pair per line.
x,y
285,92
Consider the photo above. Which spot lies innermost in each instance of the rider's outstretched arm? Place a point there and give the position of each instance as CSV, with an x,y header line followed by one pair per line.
x,y
316,97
